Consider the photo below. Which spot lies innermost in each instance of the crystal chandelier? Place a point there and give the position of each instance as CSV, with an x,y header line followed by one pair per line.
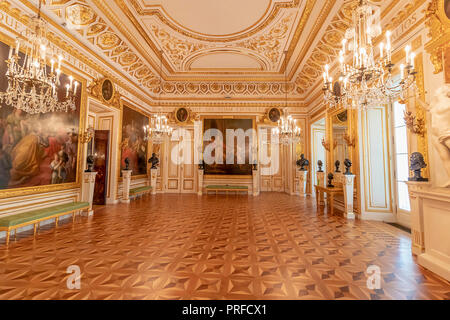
x,y
158,129
287,129
32,83
367,82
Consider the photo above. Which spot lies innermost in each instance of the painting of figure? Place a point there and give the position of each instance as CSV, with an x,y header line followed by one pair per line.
x,y
447,8
231,164
133,145
37,149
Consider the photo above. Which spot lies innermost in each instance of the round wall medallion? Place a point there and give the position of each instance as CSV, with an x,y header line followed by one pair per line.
x,y
182,115
274,114
107,90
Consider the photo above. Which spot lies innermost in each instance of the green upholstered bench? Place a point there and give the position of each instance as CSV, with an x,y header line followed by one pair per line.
x,y
15,221
140,190
226,188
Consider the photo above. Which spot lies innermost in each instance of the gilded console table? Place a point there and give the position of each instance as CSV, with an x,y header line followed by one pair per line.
x,y
331,192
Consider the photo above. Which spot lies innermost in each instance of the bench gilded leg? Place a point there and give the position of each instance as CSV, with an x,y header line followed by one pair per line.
x,y
73,217
7,237
35,227
56,221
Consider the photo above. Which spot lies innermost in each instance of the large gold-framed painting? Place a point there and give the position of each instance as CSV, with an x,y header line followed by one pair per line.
x,y
38,152
133,145
229,166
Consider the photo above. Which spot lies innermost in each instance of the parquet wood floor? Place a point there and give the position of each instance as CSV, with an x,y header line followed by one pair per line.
x,y
273,246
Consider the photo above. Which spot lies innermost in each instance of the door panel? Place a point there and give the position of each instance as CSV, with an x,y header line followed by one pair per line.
x,y
274,180
181,175
101,142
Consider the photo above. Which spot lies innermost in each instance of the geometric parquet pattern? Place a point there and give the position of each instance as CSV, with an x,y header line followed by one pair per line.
x,y
274,246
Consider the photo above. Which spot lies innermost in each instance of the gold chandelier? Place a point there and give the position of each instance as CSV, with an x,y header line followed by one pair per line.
x,y
367,82
34,78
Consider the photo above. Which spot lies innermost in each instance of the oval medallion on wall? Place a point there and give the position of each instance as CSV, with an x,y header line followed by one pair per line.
x,y
107,90
182,115
274,114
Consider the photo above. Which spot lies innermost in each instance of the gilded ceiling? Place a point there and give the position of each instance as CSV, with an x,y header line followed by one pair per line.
x,y
214,48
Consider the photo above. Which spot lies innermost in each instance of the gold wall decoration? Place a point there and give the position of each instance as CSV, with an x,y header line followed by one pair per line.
x,y
438,24
349,140
327,145
98,89
414,124
88,135
182,116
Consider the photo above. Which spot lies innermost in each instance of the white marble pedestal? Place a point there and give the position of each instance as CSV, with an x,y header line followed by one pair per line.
x,y
321,182
200,182
302,179
417,228
430,225
348,182
255,175
153,178
87,190
126,182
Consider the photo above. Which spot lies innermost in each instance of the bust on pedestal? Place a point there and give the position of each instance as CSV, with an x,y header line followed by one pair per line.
x,y
153,171
320,181
126,182
415,184
255,175
348,180
201,168
303,175
87,188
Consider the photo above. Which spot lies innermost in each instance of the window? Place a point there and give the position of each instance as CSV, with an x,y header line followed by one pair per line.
x,y
401,157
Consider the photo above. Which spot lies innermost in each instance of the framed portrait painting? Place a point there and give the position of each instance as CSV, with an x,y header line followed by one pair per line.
x,y
133,145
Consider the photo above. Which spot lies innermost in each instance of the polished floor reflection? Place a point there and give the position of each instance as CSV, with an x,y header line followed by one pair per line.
x,y
215,247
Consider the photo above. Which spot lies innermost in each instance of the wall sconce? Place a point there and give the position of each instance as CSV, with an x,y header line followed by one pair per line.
x,y
326,145
349,140
88,135
415,125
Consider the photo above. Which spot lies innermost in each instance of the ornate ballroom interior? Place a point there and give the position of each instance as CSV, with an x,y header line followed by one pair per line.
x,y
225,150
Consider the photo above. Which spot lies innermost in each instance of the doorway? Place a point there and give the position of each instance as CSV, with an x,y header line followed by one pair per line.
x,y
318,151
100,152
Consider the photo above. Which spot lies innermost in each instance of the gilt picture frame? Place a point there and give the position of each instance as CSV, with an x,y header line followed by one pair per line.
x,y
42,179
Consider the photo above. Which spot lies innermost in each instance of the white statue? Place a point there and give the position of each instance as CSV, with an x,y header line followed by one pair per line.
x,y
439,109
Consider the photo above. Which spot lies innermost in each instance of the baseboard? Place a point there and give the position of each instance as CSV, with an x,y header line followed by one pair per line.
x,y
378,216
436,265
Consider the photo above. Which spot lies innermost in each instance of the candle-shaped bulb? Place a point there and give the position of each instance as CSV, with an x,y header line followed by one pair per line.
x,y
381,50
413,56
71,81
76,87
67,90
407,50
402,70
